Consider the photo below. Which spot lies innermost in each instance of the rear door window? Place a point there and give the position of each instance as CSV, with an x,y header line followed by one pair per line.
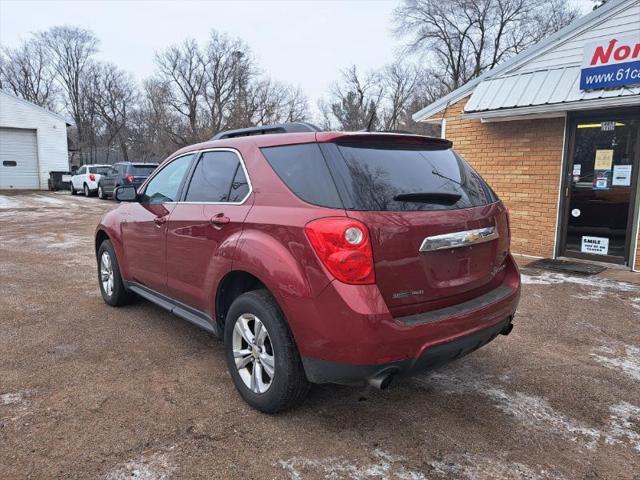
x,y
218,178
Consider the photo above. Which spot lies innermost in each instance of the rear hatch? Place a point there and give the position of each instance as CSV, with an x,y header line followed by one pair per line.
x,y
407,190
139,172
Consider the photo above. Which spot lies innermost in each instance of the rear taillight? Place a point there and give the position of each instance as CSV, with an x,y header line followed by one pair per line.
x,y
92,177
344,247
130,179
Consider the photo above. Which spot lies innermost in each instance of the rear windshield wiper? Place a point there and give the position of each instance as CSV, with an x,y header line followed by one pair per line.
x,y
440,198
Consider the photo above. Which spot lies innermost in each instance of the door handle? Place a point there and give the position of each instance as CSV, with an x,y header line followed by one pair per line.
x,y
218,220
159,221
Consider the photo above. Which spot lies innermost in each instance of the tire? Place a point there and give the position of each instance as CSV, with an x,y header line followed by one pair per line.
x,y
87,192
288,386
101,194
73,190
119,295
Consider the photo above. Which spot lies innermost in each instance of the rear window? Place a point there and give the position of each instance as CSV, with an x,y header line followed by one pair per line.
x,y
142,169
100,170
379,177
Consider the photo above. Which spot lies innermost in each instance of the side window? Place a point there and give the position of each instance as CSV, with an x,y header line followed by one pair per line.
x,y
218,177
113,171
81,171
165,185
303,169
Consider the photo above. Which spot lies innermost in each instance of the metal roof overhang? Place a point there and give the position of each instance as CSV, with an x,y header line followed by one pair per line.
x,y
555,110
544,92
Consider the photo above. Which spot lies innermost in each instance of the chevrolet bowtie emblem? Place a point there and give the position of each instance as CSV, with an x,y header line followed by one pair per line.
x,y
459,239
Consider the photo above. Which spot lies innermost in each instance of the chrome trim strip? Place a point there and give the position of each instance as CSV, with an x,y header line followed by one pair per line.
x,y
198,152
459,239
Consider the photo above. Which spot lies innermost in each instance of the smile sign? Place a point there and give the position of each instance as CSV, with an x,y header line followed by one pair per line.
x,y
613,62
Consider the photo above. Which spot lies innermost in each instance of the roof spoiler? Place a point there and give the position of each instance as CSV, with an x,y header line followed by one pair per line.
x,y
293,127
386,138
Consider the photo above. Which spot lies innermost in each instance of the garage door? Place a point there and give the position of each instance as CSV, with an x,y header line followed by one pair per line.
x,y
18,159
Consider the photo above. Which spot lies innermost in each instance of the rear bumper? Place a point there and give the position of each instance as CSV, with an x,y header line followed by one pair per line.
x,y
323,371
347,334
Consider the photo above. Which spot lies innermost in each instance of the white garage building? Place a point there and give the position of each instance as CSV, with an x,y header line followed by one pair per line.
x,y
33,142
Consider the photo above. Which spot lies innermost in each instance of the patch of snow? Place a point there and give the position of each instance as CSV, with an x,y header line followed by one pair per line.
x,y
67,242
612,356
529,410
554,278
475,467
157,466
7,202
48,200
624,425
11,398
635,302
385,466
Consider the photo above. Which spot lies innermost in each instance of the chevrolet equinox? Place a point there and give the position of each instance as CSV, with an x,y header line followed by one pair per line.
x,y
318,257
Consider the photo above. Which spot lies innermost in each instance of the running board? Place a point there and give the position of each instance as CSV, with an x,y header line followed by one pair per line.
x,y
185,312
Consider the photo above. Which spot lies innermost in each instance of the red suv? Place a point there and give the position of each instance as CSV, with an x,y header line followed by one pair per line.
x,y
319,257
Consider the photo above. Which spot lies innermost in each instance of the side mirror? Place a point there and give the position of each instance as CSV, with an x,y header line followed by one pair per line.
x,y
126,194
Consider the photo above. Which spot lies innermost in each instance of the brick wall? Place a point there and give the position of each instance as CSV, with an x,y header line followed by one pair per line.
x,y
521,160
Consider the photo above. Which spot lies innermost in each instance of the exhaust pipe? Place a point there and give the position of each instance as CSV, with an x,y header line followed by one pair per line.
x,y
382,380
507,330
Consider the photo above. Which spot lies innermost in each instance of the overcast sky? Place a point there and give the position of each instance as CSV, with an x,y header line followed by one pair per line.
x,y
305,43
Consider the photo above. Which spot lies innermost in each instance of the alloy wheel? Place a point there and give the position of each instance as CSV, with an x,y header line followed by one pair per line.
x,y
106,273
253,353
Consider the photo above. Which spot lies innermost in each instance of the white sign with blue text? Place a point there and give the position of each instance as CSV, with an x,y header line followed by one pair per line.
x,y
611,62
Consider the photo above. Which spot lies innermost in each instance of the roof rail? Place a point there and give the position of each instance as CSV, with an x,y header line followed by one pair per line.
x,y
293,127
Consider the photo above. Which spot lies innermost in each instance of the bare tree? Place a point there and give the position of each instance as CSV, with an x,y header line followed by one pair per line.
x,y
355,101
28,72
71,50
182,68
113,96
463,38
295,107
228,65
153,124
399,82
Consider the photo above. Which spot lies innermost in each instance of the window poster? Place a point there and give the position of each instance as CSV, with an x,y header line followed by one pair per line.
x,y
621,176
601,179
595,245
604,159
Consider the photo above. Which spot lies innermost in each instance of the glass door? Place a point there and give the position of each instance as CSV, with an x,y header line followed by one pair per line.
x,y
599,188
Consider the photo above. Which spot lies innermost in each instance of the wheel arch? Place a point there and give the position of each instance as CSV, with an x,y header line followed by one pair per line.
x,y
100,237
232,285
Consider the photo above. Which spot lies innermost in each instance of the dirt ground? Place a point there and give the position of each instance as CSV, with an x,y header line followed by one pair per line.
x,y
89,391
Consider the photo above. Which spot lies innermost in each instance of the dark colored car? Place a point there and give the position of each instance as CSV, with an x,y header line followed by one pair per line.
x,y
124,173
319,257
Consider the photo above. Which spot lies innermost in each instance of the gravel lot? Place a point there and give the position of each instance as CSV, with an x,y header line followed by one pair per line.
x,y
89,391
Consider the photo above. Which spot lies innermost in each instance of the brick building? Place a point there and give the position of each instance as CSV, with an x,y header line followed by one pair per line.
x,y
556,132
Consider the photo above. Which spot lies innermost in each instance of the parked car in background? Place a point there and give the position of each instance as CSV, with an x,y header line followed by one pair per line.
x,y
319,257
86,179
124,173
